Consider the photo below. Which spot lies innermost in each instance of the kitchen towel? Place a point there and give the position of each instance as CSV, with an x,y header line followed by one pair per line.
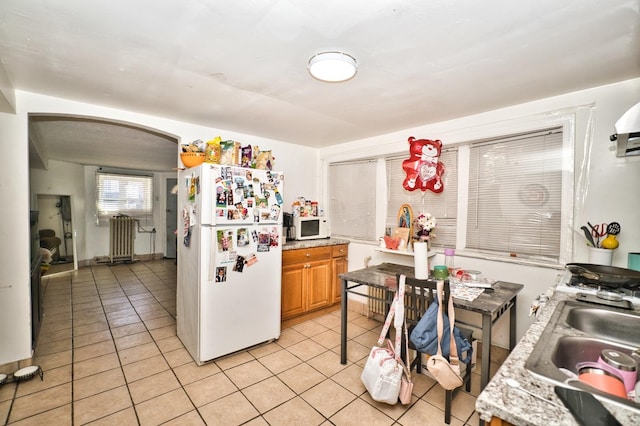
x,y
420,260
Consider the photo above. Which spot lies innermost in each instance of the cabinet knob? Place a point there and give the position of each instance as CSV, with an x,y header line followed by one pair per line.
x,y
308,254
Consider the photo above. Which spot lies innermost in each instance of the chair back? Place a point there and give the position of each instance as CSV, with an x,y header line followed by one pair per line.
x,y
419,294
46,233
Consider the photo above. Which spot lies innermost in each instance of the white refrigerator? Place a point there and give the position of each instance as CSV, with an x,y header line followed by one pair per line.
x,y
229,259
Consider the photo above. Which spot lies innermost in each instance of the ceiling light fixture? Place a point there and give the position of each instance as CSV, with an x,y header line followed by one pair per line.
x,y
332,67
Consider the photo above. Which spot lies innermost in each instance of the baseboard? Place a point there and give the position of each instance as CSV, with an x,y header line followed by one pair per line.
x,y
101,260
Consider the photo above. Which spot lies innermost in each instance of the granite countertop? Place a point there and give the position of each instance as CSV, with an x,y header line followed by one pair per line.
x,y
519,408
321,242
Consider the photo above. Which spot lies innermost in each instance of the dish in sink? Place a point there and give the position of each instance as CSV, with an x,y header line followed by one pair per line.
x,y
579,332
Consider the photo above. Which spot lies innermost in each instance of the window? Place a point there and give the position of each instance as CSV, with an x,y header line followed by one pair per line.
x,y
515,194
130,195
352,194
443,206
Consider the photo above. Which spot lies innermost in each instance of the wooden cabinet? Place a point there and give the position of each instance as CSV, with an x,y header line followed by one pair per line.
x,y
309,278
340,264
293,297
499,422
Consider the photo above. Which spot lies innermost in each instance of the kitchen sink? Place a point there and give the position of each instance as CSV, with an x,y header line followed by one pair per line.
x,y
577,332
607,324
570,350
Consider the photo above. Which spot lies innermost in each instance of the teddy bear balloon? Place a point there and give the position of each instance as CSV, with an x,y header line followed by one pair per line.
x,y
423,167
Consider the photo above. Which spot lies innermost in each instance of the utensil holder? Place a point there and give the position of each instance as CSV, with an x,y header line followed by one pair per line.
x,y
600,256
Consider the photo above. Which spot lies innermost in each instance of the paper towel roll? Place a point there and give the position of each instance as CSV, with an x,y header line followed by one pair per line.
x,y
420,260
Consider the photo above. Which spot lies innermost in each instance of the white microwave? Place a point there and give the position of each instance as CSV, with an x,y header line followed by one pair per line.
x,y
311,227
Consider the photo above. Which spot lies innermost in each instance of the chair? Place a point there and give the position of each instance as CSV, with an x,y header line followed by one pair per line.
x,y
49,241
418,297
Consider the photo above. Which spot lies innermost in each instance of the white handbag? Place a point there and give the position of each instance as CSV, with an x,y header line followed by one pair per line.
x,y
383,371
382,375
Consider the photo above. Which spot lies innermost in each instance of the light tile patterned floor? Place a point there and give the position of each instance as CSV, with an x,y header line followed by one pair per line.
x,y
110,355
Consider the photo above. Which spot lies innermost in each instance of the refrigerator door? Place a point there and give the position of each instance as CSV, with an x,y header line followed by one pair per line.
x,y
229,259
239,288
191,251
236,196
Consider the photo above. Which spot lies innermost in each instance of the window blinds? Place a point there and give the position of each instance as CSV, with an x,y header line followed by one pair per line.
x,y
515,195
352,196
443,206
124,194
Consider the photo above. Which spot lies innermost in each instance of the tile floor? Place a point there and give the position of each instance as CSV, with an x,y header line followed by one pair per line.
x,y
110,355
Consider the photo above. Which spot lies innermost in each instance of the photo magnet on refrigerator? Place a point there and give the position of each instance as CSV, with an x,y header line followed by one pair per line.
x,y
239,265
221,274
250,259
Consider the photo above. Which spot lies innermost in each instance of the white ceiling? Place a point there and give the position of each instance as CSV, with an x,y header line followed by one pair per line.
x,y
241,65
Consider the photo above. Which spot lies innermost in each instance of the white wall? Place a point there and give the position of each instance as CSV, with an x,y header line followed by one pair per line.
x,y
15,253
606,186
98,236
299,164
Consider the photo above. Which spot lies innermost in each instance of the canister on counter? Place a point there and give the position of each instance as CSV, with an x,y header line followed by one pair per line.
x,y
624,365
440,272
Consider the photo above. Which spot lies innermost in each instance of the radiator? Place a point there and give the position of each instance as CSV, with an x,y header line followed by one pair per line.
x,y
378,307
122,238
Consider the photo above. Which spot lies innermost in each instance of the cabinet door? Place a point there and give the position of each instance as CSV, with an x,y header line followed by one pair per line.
x,y
293,290
319,284
340,266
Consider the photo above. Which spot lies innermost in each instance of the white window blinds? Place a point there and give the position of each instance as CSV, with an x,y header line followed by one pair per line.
x,y
443,206
515,194
130,195
352,194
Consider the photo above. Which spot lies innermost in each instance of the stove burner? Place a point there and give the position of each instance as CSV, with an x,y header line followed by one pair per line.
x,y
607,292
590,298
615,296
581,281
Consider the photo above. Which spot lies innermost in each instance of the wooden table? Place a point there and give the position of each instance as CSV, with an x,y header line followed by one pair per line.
x,y
491,304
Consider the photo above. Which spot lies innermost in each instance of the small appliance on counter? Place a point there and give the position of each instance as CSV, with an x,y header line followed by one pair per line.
x,y
307,221
311,227
289,229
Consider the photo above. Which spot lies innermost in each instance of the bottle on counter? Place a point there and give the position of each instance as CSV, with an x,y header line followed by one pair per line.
x,y
449,255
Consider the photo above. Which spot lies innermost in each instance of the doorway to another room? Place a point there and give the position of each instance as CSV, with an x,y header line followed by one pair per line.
x,y
171,218
55,233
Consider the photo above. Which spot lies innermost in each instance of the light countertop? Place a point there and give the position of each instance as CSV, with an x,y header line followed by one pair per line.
x,y
321,242
517,407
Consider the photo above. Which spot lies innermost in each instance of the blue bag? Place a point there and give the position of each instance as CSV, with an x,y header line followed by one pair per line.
x,y
425,335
